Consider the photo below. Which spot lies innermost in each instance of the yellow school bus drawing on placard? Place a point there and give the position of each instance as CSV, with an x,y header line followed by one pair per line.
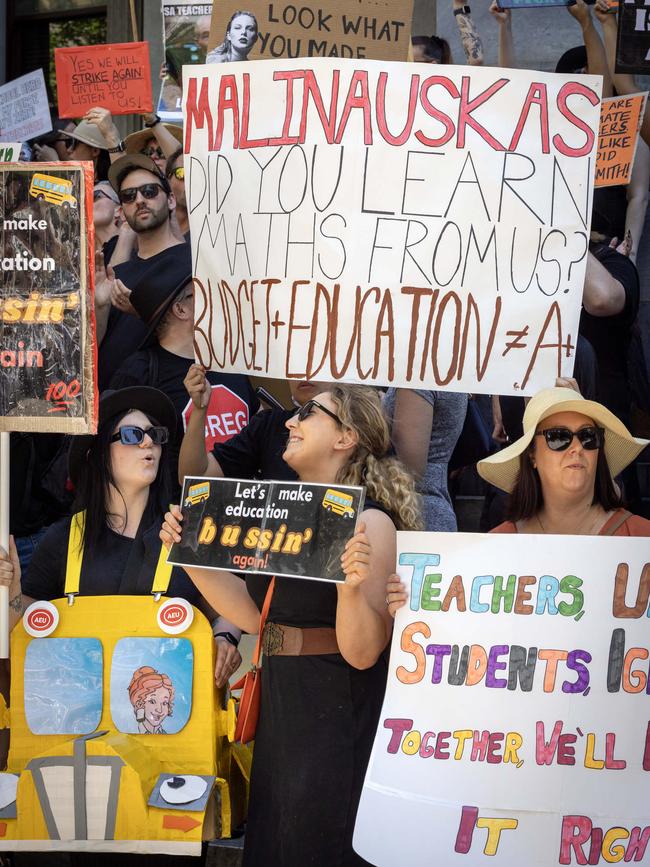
x,y
56,191
197,494
339,503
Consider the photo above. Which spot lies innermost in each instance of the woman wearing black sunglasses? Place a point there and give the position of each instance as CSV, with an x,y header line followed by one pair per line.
x,y
323,682
122,492
560,473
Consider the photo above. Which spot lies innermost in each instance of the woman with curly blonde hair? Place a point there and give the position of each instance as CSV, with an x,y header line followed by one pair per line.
x,y
325,671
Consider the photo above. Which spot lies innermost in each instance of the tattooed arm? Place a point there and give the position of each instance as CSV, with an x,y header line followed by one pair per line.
x,y
10,577
469,36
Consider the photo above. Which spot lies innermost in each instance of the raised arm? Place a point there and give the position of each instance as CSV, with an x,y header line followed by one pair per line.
x,y
507,58
193,460
469,35
623,82
637,197
596,57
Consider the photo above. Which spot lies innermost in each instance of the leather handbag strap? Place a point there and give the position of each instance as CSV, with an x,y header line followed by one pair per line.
x,y
620,520
263,616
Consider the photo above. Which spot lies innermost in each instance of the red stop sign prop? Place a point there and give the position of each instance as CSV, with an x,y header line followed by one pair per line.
x,y
227,414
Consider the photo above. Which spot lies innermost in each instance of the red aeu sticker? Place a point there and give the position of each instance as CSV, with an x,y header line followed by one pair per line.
x,y
175,615
40,619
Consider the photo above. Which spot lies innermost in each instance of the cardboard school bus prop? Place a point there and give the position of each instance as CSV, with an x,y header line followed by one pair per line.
x,y
117,739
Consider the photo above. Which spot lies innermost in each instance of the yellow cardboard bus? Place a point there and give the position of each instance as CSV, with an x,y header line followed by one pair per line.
x,y
56,191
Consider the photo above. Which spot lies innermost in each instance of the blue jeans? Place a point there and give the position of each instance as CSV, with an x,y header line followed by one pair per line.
x,y
26,545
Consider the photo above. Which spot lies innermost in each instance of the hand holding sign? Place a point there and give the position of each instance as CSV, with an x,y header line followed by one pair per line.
x,y
355,560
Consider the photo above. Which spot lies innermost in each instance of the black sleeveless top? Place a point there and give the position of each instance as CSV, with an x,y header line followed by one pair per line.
x,y
299,601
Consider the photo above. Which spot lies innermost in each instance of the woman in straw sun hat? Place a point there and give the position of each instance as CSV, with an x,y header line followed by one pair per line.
x,y
560,473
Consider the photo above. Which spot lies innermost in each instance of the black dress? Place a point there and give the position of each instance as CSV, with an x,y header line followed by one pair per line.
x,y
316,728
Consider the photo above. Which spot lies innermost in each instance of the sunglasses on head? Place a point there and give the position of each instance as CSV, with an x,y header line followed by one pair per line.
x,y
558,439
100,194
132,435
178,173
153,152
130,194
307,409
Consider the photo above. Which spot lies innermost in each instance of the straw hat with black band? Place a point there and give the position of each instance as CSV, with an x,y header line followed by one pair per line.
x,y
151,401
160,286
621,448
138,140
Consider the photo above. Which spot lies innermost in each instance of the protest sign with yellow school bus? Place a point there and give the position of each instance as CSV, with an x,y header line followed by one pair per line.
x,y
273,528
47,354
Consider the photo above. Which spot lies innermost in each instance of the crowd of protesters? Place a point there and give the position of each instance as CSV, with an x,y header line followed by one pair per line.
x,y
565,463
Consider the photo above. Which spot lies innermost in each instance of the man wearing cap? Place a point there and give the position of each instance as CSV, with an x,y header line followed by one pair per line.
x,y
147,203
164,301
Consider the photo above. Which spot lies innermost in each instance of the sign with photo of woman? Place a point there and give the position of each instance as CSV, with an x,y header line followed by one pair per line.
x,y
378,31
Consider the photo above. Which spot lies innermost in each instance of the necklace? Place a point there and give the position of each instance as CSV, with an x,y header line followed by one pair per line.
x,y
579,527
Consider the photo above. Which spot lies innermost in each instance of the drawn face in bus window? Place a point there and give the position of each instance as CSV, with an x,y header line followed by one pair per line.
x,y
151,685
152,695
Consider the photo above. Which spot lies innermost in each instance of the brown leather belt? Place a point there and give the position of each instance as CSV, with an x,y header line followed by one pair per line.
x,y
278,640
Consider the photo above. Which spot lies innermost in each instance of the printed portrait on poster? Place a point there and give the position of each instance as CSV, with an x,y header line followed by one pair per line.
x,y
240,37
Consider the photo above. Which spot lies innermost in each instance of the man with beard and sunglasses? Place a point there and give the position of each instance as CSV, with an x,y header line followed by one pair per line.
x,y
147,203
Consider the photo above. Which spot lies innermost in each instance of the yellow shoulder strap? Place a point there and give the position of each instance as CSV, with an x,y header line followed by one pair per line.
x,y
163,573
75,554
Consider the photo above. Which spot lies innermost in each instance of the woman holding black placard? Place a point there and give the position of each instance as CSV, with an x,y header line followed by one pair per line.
x,y
324,678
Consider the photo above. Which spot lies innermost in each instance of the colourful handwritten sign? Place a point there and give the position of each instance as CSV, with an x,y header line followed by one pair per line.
x,y
620,120
116,77
380,222
516,721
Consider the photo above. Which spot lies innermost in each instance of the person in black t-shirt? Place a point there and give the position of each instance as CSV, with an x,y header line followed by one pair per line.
x,y
148,203
256,452
610,305
164,301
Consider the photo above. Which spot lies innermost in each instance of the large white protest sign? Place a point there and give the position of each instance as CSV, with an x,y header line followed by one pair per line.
x,y
374,222
24,109
515,730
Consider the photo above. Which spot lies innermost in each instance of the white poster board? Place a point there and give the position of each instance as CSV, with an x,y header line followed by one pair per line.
x,y
515,730
24,109
10,152
382,222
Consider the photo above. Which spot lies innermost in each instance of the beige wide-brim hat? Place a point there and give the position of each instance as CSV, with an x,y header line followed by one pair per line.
x,y
137,140
621,448
89,134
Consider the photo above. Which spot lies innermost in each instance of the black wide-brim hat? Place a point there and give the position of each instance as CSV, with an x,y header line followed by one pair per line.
x,y
151,401
160,285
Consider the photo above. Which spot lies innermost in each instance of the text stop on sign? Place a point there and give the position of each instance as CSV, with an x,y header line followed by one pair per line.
x,y
226,416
